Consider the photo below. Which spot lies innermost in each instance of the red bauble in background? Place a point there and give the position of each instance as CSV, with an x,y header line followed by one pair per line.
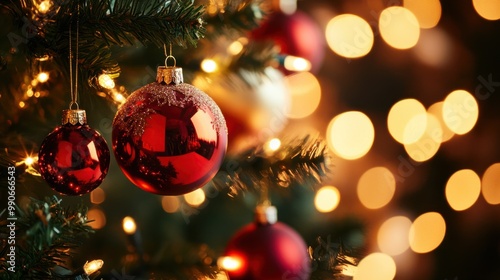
x,y
255,104
296,34
74,158
269,250
169,138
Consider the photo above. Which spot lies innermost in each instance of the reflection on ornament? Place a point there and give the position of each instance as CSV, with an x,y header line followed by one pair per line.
x,y
74,158
169,138
255,105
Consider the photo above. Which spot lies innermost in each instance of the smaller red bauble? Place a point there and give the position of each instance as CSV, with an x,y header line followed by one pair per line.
x,y
169,138
74,158
296,34
268,250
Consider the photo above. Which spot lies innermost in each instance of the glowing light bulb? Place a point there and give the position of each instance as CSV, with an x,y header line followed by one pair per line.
x,y
209,65
42,77
195,198
236,47
106,81
29,160
274,144
294,63
93,266
327,199
229,263
129,225
44,6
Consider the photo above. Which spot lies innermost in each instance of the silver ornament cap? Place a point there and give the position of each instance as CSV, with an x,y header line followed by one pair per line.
x,y
169,75
74,117
266,214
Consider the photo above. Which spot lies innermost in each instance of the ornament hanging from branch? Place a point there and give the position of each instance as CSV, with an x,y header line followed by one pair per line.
x,y
169,137
74,158
266,249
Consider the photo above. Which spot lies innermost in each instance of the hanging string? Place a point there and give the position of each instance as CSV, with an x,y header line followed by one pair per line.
x,y
74,90
169,55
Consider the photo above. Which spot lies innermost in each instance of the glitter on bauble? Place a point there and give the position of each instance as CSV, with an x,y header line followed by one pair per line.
x,y
74,158
169,138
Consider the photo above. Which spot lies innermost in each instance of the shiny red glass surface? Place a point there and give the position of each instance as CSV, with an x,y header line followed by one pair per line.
x,y
74,159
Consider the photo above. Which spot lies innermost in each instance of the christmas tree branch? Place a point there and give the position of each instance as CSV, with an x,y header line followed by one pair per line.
x,y
46,232
303,161
331,260
102,24
239,15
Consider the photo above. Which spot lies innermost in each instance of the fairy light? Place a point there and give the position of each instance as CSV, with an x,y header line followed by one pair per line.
x,y
29,91
129,225
236,47
93,266
118,97
106,81
229,263
44,6
209,65
274,144
22,104
195,198
294,63
29,161
42,77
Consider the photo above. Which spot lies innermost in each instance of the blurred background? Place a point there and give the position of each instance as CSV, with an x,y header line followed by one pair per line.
x,y
405,93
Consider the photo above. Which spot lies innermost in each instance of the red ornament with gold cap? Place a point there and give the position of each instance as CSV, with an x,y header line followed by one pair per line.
x,y
74,158
169,138
266,249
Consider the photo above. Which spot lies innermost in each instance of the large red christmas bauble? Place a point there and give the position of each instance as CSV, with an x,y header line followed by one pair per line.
x,y
296,34
74,158
169,138
268,251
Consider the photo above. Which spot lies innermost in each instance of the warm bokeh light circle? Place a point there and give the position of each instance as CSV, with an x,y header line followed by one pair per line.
x,y
460,111
428,12
399,27
350,135
488,9
376,266
490,184
427,232
349,36
463,189
376,187
407,121
327,199
392,236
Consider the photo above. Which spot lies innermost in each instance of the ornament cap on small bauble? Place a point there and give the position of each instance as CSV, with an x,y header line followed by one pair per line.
x,y
266,214
169,75
74,116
